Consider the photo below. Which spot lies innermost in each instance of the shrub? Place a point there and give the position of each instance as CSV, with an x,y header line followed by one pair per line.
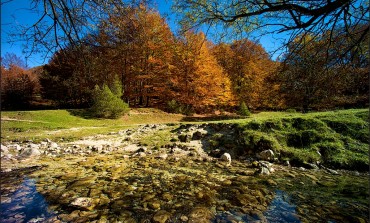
x,y
243,110
254,125
291,110
107,104
258,141
175,107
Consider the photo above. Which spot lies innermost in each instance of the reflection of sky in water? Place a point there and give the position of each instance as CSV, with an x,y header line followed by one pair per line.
x,y
26,204
280,210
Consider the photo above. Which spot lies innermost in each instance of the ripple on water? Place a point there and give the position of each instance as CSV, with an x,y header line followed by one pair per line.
x,y
26,205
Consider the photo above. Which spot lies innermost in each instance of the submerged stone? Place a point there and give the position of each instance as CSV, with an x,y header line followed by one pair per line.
x,y
200,215
161,216
83,203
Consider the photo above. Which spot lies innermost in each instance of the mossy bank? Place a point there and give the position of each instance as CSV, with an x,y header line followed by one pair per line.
x,y
337,140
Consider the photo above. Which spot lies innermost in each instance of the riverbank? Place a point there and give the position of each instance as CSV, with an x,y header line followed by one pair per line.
x,y
284,167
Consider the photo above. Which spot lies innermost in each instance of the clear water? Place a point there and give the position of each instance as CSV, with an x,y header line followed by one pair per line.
x,y
300,199
280,210
26,204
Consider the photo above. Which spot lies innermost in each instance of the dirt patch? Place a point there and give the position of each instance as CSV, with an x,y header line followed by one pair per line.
x,y
20,120
74,129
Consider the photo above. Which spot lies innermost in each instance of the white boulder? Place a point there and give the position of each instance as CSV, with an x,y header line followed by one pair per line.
x,y
226,157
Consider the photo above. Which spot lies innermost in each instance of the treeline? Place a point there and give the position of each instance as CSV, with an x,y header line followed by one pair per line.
x,y
136,48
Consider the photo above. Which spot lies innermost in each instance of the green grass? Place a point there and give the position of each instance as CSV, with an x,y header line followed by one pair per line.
x,y
71,125
341,137
158,139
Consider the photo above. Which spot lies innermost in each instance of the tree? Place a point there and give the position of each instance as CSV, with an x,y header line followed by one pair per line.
x,y
247,64
197,79
243,110
17,87
294,17
11,59
63,23
312,77
106,103
142,42
66,78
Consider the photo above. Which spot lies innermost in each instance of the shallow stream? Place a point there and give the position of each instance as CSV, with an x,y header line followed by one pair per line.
x,y
113,188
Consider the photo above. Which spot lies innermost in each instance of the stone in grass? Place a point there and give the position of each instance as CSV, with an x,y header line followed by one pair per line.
x,y
263,171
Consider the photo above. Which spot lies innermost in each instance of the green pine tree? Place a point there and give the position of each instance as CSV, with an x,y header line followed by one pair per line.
x,y
108,104
243,110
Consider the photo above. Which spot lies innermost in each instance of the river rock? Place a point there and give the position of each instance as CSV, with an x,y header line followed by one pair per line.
x,y
161,216
96,148
53,145
4,150
84,203
184,138
142,149
226,157
15,147
162,156
200,215
332,171
199,134
267,155
139,154
30,152
263,171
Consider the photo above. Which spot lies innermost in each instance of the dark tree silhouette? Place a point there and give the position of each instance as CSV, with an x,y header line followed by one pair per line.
x,y
298,18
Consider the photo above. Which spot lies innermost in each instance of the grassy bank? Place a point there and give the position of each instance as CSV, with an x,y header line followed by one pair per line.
x,y
338,139
72,124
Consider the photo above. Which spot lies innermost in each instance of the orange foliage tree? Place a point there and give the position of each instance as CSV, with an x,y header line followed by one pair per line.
x,y
139,50
247,65
18,87
197,79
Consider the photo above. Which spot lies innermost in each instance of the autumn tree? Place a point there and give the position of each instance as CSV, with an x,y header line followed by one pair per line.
x,y
12,59
137,46
247,65
67,80
312,77
18,85
197,79
295,18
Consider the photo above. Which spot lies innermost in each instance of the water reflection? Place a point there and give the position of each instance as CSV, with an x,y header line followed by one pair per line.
x,y
280,210
24,205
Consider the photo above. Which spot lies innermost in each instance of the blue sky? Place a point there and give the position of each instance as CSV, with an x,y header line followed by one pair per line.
x,y
17,12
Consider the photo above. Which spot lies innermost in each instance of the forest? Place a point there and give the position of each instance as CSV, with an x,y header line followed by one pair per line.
x,y
133,55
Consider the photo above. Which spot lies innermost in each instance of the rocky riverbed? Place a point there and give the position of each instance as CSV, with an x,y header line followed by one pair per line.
x,y
121,177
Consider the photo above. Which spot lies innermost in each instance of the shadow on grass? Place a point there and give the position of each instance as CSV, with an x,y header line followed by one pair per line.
x,y
82,113
211,118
